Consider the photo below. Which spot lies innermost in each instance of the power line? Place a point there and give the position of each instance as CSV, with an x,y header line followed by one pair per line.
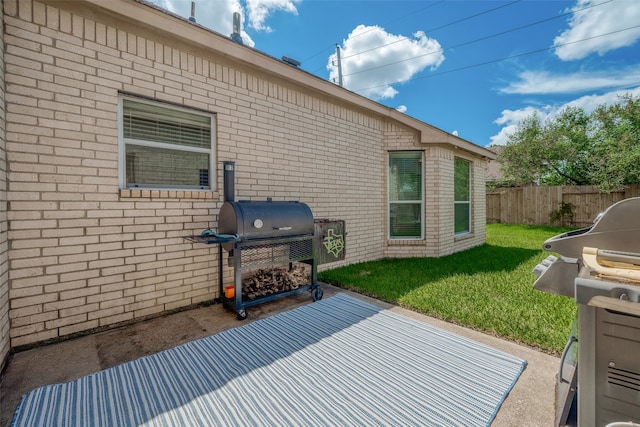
x,y
433,29
471,41
429,30
388,22
503,59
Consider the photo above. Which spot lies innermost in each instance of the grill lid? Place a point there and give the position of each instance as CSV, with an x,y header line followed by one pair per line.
x,y
617,228
616,231
265,219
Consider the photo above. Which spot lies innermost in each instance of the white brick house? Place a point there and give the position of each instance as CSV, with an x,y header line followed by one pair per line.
x,y
92,219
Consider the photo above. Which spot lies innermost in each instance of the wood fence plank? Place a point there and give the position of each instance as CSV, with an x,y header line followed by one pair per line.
x,y
536,205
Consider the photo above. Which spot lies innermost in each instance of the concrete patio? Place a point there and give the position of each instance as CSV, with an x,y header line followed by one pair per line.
x,y
530,402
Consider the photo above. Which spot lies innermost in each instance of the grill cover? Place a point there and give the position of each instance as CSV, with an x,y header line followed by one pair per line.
x,y
265,219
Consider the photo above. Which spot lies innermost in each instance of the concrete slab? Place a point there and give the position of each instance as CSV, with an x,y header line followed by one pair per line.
x,y
531,402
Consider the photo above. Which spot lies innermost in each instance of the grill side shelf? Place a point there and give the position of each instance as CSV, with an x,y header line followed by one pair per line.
x,y
209,240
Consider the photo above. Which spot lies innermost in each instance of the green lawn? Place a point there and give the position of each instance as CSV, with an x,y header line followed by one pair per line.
x,y
488,288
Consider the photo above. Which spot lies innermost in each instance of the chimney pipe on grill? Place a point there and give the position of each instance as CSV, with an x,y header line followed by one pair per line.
x,y
229,181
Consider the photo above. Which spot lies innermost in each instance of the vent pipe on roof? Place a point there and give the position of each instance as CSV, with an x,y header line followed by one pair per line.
x,y
291,61
339,66
193,12
235,36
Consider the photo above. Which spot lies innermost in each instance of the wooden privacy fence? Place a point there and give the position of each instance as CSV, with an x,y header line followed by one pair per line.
x,y
571,206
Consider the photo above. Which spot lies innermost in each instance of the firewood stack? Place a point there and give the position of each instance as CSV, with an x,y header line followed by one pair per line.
x,y
266,281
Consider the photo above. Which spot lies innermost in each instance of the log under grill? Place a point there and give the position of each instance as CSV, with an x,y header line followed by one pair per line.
x,y
268,281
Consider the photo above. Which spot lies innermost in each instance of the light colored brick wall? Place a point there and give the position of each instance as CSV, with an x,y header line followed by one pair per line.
x,y
87,254
4,245
449,243
439,237
398,138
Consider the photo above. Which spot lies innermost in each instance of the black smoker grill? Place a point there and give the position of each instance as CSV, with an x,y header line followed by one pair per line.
x,y
599,266
259,236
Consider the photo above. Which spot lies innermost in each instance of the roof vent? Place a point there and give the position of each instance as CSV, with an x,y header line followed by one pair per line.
x,y
235,36
291,61
193,12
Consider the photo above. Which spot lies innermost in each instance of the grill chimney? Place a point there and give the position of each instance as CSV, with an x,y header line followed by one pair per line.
x,y
229,181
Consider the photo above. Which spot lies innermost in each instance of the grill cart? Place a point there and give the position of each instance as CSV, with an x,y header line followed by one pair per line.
x,y
273,247
599,266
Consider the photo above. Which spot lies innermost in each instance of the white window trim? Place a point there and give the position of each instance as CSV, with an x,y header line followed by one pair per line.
x,y
122,179
389,202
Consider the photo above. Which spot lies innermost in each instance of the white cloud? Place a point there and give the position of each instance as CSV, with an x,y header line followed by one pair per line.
x,y
374,60
598,29
543,82
402,108
259,11
216,15
590,102
511,118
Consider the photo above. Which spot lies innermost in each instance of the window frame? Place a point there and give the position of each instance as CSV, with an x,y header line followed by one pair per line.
x,y
468,202
396,202
123,142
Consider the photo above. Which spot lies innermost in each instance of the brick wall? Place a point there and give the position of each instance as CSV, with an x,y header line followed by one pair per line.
x,y
86,254
440,239
4,259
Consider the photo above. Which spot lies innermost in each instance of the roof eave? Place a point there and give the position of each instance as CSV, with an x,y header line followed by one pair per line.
x,y
149,15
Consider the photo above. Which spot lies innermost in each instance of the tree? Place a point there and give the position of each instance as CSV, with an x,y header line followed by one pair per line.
x,y
574,148
617,149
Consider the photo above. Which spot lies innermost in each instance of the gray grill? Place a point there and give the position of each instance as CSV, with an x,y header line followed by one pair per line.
x,y
599,266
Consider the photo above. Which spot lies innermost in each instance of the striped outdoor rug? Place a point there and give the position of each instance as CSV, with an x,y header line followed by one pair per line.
x,y
335,362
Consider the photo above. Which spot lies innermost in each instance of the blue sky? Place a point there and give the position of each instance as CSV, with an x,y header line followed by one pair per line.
x,y
473,68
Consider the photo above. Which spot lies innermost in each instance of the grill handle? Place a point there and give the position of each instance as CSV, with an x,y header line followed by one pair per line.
x,y
572,340
282,228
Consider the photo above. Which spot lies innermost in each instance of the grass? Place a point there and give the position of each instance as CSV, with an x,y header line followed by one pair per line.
x,y
488,288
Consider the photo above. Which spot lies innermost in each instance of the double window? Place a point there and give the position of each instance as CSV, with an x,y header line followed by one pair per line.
x,y
406,205
162,146
462,196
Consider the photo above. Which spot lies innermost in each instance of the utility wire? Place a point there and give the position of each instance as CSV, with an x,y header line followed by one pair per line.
x,y
434,29
388,22
430,30
502,59
469,42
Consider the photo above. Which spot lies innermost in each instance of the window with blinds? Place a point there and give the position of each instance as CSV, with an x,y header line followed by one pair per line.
x,y
462,196
165,147
406,206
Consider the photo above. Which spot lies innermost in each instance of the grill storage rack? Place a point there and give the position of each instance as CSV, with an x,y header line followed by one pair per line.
x,y
269,237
